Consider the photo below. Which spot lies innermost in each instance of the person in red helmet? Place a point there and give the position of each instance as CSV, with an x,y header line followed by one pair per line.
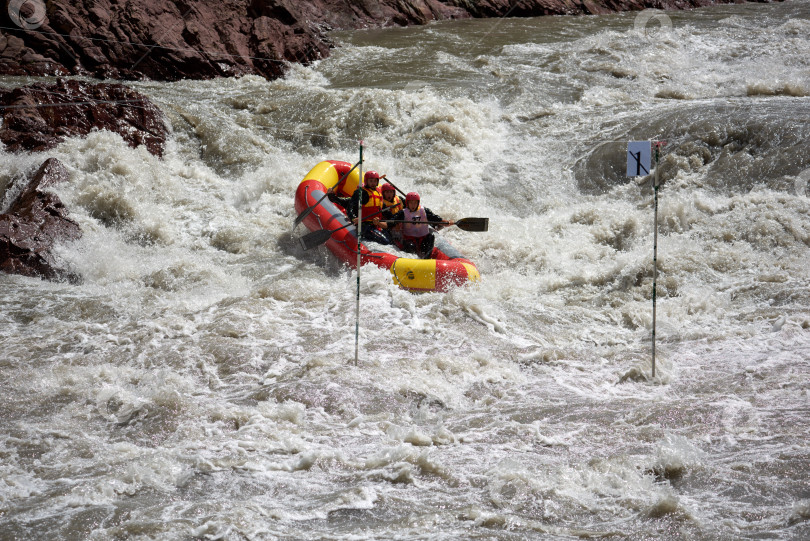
x,y
391,201
370,198
417,237
392,204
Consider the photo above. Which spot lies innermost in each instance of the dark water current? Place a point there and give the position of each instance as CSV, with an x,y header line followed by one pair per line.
x,y
199,383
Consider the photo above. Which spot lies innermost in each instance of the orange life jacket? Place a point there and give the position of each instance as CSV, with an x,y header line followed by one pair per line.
x,y
393,206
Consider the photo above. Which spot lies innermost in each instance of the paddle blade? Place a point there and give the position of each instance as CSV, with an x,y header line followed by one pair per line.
x,y
473,224
315,239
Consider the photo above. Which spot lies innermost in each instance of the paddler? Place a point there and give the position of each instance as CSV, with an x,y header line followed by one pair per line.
x,y
392,204
417,237
371,199
391,201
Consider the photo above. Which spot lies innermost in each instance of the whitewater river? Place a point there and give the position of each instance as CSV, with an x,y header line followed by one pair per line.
x,y
199,382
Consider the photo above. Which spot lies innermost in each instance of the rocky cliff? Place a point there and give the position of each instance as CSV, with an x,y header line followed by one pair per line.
x,y
136,39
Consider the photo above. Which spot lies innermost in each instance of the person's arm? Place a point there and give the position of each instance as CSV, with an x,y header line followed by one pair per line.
x,y
357,201
335,198
431,217
398,216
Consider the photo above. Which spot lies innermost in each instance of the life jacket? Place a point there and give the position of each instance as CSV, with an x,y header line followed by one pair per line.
x,y
374,204
393,206
415,229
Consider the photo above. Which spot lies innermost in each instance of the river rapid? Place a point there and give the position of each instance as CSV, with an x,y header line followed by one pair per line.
x,y
199,383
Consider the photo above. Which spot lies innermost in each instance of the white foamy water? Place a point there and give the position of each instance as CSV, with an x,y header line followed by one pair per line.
x,y
199,383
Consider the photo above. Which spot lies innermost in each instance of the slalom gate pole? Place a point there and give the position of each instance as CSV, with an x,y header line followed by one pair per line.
x,y
655,248
359,234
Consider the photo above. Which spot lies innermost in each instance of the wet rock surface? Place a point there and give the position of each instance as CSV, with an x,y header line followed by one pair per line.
x,y
38,117
34,222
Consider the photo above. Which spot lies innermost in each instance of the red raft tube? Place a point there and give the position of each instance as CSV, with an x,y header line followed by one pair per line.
x,y
445,269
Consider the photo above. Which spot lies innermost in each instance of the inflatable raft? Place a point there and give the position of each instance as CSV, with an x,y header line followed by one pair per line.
x,y
445,268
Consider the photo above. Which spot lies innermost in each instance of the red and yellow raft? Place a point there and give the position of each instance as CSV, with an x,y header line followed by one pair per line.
x,y
447,268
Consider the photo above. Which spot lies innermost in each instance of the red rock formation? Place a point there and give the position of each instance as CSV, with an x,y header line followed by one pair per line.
x,y
34,222
39,116
200,39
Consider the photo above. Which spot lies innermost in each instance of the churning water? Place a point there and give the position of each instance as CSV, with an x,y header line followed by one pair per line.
x,y
199,383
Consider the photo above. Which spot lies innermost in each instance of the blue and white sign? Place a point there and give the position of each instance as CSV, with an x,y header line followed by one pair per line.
x,y
638,158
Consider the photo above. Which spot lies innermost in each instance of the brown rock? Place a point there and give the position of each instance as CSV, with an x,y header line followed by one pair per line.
x,y
34,222
39,116
136,39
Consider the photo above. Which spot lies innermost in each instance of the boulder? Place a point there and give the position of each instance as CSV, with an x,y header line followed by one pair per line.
x,y
37,117
34,222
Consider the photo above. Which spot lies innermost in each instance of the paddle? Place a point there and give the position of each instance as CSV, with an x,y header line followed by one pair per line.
x,y
392,184
466,224
316,238
307,210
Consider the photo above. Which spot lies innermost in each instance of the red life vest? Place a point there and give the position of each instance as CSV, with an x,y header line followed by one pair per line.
x,y
373,206
415,229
